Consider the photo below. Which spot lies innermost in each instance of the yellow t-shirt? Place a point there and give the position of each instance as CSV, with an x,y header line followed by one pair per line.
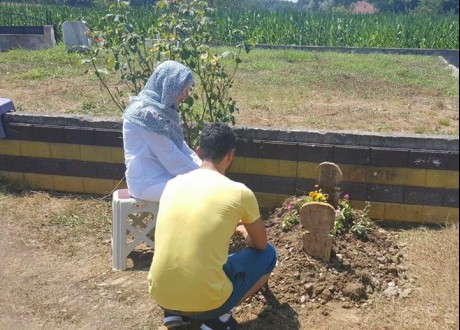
x,y
198,214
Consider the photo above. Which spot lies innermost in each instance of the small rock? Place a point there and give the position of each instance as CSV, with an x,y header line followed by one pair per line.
x,y
367,304
369,289
339,257
392,269
347,305
391,292
401,268
405,293
375,282
326,294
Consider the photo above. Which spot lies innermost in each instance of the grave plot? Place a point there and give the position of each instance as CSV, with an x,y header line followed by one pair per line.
x,y
320,261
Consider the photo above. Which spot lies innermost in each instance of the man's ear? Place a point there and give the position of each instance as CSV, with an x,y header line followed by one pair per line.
x,y
231,154
198,152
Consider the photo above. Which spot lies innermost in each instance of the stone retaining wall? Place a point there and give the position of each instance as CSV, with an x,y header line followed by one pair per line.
x,y
406,178
26,40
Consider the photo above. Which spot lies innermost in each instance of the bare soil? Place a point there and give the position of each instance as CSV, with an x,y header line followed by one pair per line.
x,y
56,273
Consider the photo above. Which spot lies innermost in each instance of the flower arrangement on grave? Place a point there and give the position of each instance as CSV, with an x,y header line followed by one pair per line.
x,y
347,218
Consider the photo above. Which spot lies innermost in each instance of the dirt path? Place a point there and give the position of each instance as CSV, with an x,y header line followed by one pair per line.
x,y
56,274
47,288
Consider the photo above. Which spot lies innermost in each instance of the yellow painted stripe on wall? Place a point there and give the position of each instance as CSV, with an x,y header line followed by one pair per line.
x,y
270,201
282,168
351,173
383,211
273,167
62,151
42,181
442,178
66,183
10,147
35,149
420,213
378,211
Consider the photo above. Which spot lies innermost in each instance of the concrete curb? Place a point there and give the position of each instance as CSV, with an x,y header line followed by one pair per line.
x,y
345,138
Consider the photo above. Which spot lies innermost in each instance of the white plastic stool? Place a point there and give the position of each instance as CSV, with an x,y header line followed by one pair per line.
x,y
133,222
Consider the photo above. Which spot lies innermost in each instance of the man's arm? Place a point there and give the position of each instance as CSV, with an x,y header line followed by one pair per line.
x,y
254,234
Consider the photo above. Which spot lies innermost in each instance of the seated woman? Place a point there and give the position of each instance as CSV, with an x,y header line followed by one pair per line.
x,y
153,140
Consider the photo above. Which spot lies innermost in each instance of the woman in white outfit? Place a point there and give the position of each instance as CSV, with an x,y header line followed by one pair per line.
x,y
153,140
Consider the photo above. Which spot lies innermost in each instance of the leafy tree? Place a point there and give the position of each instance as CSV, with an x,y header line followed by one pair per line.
x,y
182,33
437,7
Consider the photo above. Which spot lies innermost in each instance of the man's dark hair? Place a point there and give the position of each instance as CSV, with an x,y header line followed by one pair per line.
x,y
216,140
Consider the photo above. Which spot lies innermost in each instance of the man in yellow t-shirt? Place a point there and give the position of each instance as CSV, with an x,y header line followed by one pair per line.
x,y
192,276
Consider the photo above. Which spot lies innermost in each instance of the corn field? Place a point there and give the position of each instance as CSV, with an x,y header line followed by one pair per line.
x,y
284,27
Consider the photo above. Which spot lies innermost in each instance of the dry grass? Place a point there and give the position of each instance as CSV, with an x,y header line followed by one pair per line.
x,y
282,89
56,273
433,259
55,249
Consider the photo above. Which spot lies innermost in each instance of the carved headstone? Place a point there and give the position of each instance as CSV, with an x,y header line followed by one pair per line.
x,y
75,36
318,219
329,179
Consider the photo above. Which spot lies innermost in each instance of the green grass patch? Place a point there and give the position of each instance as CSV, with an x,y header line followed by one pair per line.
x,y
272,88
45,64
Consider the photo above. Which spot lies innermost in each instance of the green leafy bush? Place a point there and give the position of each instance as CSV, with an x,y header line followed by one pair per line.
x,y
182,32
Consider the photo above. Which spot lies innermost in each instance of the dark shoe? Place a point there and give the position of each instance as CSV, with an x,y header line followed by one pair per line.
x,y
173,321
217,324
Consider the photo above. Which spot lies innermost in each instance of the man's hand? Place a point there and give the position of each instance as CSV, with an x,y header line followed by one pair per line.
x,y
241,231
254,234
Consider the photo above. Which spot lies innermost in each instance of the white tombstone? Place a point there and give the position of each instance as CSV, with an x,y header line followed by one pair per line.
x,y
75,36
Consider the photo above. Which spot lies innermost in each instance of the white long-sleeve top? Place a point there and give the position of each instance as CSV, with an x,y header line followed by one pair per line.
x,y
151,160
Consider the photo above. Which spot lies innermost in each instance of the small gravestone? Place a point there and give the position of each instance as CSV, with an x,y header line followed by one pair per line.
x,y
318,219
75,35
329,179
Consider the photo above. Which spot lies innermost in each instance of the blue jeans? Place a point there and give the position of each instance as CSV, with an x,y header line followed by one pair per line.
x,y
244,269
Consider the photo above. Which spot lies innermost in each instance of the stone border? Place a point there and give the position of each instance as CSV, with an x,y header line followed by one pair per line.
x,y
28,41
406,178
346,138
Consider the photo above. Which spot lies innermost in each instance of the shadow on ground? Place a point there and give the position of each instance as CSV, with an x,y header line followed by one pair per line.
x,y
275,315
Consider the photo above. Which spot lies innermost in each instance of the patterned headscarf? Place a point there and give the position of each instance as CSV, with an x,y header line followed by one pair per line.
x,y
155,107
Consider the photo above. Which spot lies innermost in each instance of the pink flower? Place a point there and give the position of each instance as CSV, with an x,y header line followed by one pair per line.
x,y
290,207
346,196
